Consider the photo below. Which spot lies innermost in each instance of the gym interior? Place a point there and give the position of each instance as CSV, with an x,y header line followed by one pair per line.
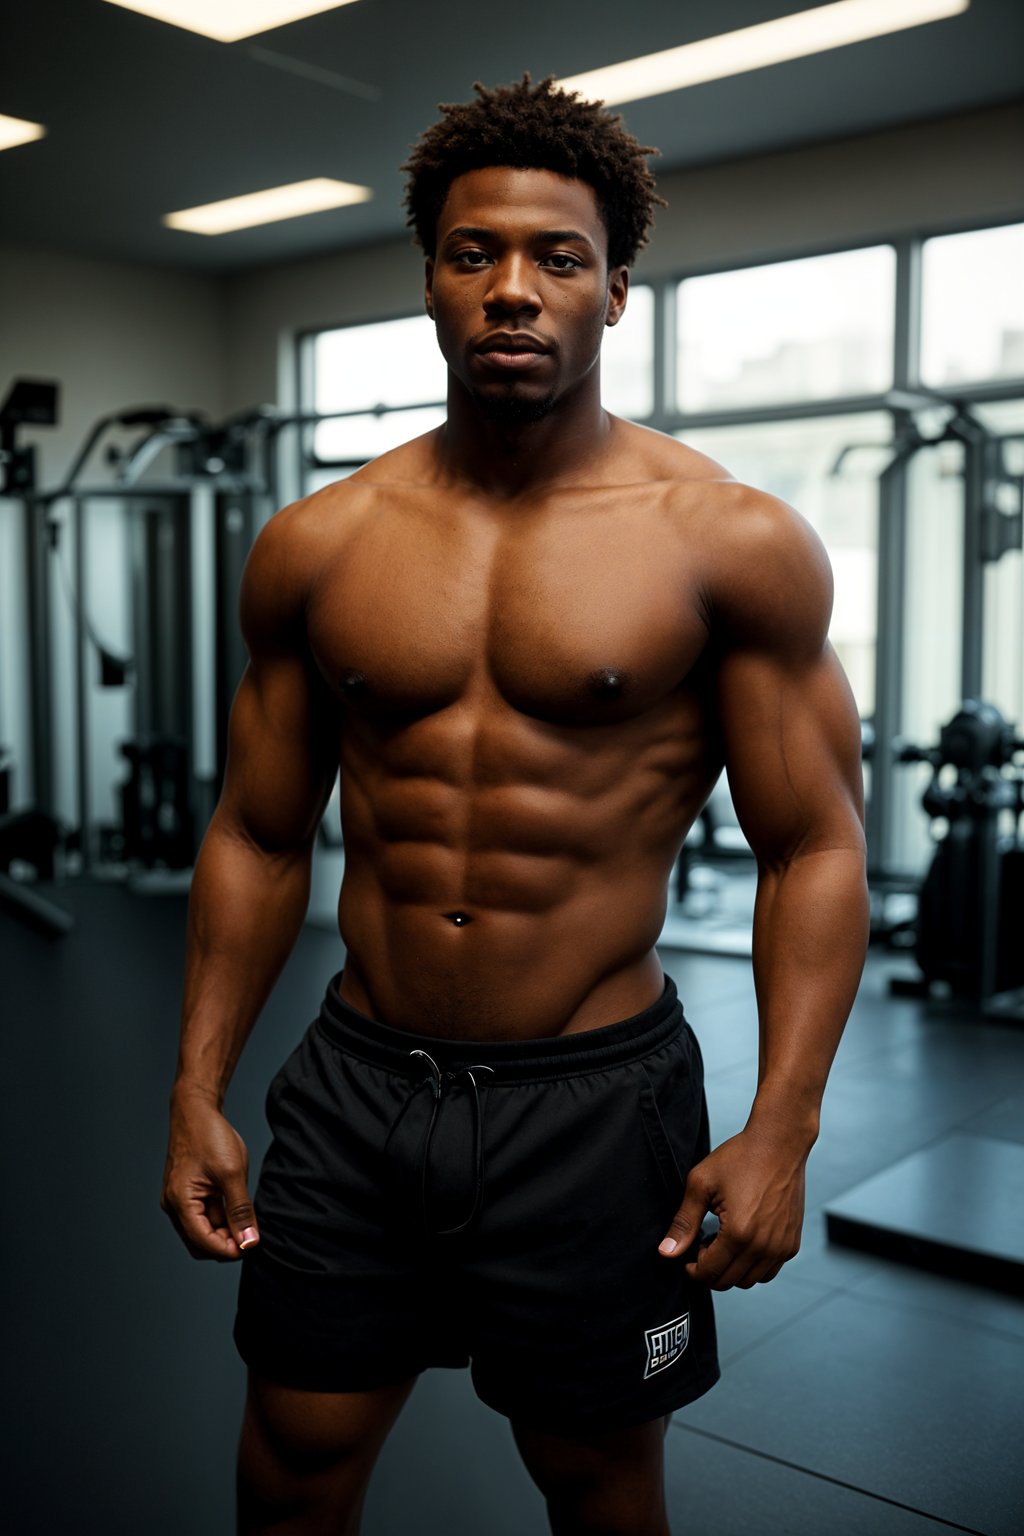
x,y
833,306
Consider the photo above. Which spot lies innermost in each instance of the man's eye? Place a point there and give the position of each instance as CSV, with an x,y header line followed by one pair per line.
x,y
472,258
562,262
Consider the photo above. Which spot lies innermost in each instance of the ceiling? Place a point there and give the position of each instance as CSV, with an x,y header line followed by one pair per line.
x,y
144,118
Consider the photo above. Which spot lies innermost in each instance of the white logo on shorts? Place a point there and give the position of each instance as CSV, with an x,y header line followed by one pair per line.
x,y
666,1343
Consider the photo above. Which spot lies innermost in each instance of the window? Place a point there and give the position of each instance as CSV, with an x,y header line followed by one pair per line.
x,y
972,321
797,460
815,329
362,368
627,359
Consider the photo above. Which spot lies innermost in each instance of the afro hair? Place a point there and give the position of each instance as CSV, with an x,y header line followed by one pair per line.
x,y
535,127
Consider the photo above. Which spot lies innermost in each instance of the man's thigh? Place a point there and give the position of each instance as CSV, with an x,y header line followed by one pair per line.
x,y
305,1458
608,1481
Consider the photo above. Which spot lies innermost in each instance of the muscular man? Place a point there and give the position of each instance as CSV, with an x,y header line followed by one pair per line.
x,y
531,640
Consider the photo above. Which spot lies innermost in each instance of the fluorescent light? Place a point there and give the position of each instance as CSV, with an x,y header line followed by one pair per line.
x,y
290,202
228,20
14,130
770,42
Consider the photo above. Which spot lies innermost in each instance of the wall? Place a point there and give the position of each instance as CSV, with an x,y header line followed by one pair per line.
x,y
965,170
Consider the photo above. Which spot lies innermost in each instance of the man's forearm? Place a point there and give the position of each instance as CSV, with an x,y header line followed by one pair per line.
x,y
246,908
811,922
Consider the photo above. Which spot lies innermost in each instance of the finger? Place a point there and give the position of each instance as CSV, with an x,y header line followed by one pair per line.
x,y
239,1213
713,1261
745,1271
199,1237
684,1228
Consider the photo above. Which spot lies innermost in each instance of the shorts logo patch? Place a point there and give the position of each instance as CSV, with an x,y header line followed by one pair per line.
x,y
666,1343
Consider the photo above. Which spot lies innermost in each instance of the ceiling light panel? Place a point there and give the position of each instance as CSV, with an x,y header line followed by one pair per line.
x,y
228,20
757,47
14,130
270,207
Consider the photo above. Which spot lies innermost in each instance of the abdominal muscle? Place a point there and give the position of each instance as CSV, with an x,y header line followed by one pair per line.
x,y
518,896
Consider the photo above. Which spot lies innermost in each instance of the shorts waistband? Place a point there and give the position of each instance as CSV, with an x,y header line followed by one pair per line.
x,y
588,1050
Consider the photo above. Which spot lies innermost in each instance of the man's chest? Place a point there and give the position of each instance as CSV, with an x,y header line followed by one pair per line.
x,y
577,620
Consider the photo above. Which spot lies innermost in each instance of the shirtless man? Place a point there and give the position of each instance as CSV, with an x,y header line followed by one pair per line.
x,y
531,640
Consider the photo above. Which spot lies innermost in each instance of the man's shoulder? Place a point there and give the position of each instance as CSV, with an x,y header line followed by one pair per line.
x,y
763,569
769,578
644,454
304,531
692,484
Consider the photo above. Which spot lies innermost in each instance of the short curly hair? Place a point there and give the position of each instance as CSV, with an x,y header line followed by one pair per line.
x,y
535,127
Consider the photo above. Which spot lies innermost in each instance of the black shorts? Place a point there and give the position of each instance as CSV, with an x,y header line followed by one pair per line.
x,y
437,1202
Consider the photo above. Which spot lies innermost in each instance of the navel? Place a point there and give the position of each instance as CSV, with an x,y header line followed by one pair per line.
x,y
457,919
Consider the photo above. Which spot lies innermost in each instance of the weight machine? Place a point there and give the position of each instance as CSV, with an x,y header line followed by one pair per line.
x,y
184,540
180,544
970,919
30,835
974,871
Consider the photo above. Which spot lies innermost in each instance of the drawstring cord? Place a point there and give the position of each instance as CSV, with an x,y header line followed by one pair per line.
x,y
437,1083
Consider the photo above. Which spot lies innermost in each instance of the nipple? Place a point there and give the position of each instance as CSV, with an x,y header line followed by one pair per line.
x,y
458,919
352,682
608,683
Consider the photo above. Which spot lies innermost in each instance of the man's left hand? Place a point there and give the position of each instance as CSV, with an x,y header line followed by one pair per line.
x,y
755,1185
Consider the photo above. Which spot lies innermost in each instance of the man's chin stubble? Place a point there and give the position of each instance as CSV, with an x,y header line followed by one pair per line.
x,y
513,410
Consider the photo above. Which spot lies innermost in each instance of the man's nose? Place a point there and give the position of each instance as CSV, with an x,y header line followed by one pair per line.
x,y
513,287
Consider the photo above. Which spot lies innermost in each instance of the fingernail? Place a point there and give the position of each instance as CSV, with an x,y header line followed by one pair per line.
x,y
668,1246
248,1237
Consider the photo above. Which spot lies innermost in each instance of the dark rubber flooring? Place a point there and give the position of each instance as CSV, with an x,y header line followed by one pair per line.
x,y
859,1397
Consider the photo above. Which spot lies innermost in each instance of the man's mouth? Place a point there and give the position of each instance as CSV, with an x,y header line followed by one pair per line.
x,y
512,349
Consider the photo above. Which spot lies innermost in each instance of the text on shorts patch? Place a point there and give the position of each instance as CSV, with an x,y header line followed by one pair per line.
x,y
666,1342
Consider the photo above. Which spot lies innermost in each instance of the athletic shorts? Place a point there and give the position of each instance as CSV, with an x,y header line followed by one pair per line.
x,y
499,1204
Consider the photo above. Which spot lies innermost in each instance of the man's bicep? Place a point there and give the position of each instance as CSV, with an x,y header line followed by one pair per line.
x,y
283,735
282,754
791,740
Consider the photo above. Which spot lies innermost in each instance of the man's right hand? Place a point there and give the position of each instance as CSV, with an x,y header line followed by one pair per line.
x,y
206,1193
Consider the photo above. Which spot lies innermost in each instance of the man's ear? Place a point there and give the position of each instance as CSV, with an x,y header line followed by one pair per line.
x,y
618,289
429,288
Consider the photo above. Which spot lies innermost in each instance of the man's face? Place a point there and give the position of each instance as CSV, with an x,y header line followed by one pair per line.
x,y
520,288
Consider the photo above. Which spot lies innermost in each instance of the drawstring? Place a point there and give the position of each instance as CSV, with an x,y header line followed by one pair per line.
x,y
438,1081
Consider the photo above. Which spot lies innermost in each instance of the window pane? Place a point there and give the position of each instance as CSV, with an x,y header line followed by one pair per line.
x,y
932,624
972,324
1003,604
814,329
627,358
796,461
394,362
364,437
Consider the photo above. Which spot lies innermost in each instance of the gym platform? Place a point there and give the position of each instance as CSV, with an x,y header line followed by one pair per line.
x,y
956,1208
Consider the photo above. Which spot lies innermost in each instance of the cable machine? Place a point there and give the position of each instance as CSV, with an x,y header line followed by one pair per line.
x,y
971,903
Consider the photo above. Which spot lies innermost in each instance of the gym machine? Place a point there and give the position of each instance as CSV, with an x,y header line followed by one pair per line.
x,y
970,920
174,549
29,835
993,525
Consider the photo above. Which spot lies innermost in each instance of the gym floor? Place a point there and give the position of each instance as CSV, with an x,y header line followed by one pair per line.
x,y
859,1397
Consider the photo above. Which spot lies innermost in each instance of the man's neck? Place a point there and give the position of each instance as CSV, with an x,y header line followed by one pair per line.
x,y
507,460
